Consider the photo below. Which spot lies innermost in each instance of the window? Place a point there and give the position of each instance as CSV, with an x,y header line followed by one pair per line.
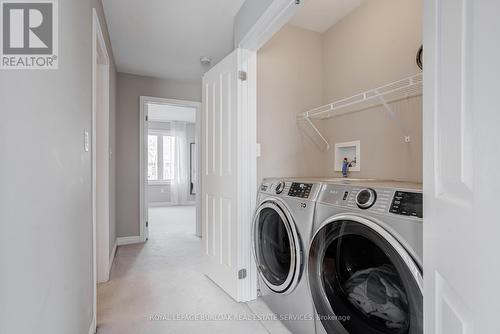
x,y
152,158
161,153
168,157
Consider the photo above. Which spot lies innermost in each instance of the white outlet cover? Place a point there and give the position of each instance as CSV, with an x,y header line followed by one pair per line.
x,y
350,150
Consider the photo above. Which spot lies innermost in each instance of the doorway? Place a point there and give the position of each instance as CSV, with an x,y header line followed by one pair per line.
x,y
169,166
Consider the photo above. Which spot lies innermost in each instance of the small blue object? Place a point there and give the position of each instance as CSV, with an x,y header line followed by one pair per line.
x,y
345,167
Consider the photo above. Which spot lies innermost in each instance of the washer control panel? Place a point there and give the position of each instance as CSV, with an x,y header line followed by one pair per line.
x,y
380,200
301,190
407,204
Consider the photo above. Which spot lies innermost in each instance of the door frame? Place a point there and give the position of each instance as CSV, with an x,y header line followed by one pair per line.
x,y
269,23
143,132
100,241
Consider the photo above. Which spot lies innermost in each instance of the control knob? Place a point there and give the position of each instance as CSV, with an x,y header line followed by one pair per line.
x,y
366,198
280,187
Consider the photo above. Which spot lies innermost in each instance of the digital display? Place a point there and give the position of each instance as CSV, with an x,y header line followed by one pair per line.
x,y
407,204
301,190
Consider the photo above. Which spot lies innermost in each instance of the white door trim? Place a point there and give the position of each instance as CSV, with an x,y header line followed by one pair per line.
x,y
100,63
248,64
271,21
143,132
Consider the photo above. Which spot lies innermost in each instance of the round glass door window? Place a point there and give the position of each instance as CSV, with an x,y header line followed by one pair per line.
x,y
363,281
275,247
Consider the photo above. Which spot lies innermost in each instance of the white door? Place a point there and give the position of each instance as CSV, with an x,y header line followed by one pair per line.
x,y
228,176
461,166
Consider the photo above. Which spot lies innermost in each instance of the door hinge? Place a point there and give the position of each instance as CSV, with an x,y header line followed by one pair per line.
x,y
242,75
147,118
242,273
147,224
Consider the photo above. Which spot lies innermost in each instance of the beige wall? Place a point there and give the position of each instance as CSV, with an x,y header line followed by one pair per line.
x,y
374,45
289,78
129,89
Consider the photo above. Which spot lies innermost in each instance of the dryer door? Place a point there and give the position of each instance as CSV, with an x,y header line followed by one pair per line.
x,y
363,281
276,246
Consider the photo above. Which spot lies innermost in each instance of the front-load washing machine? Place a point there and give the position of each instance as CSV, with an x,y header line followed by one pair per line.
x,y
281,233
365,258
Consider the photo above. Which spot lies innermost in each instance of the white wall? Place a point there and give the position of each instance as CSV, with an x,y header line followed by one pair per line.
x,y
129,89
46,280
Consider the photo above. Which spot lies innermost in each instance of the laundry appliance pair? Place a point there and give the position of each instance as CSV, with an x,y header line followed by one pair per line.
x,y
341,257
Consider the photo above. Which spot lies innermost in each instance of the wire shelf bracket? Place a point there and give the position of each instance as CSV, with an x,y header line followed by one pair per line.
x,y
383,95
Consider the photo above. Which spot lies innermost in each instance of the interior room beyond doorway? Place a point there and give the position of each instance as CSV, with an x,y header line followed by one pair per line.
x,y
171,155
170,162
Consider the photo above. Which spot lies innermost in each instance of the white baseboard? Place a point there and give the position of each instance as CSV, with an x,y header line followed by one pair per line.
x,y
169,204
92,328
129,240
159,204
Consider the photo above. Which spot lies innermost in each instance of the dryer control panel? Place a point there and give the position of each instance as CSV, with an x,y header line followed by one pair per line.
x,y
407,204
301,190
297,189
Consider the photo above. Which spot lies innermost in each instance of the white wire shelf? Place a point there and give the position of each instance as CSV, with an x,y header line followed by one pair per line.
x,y
380,96
383,95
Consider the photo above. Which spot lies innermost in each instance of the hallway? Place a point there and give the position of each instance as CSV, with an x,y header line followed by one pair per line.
x,y
164,278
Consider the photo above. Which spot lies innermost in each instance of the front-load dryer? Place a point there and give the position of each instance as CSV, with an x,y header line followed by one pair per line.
x,y
281,233
365,259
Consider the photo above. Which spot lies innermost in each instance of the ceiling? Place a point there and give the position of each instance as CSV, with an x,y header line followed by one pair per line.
x,y
319,15
166,113
166,38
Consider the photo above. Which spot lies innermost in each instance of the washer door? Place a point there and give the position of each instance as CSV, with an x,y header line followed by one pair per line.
x,y
363,281
276,246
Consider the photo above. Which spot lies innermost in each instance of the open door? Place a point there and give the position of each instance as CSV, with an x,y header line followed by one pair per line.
x,y
461,166
229,174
